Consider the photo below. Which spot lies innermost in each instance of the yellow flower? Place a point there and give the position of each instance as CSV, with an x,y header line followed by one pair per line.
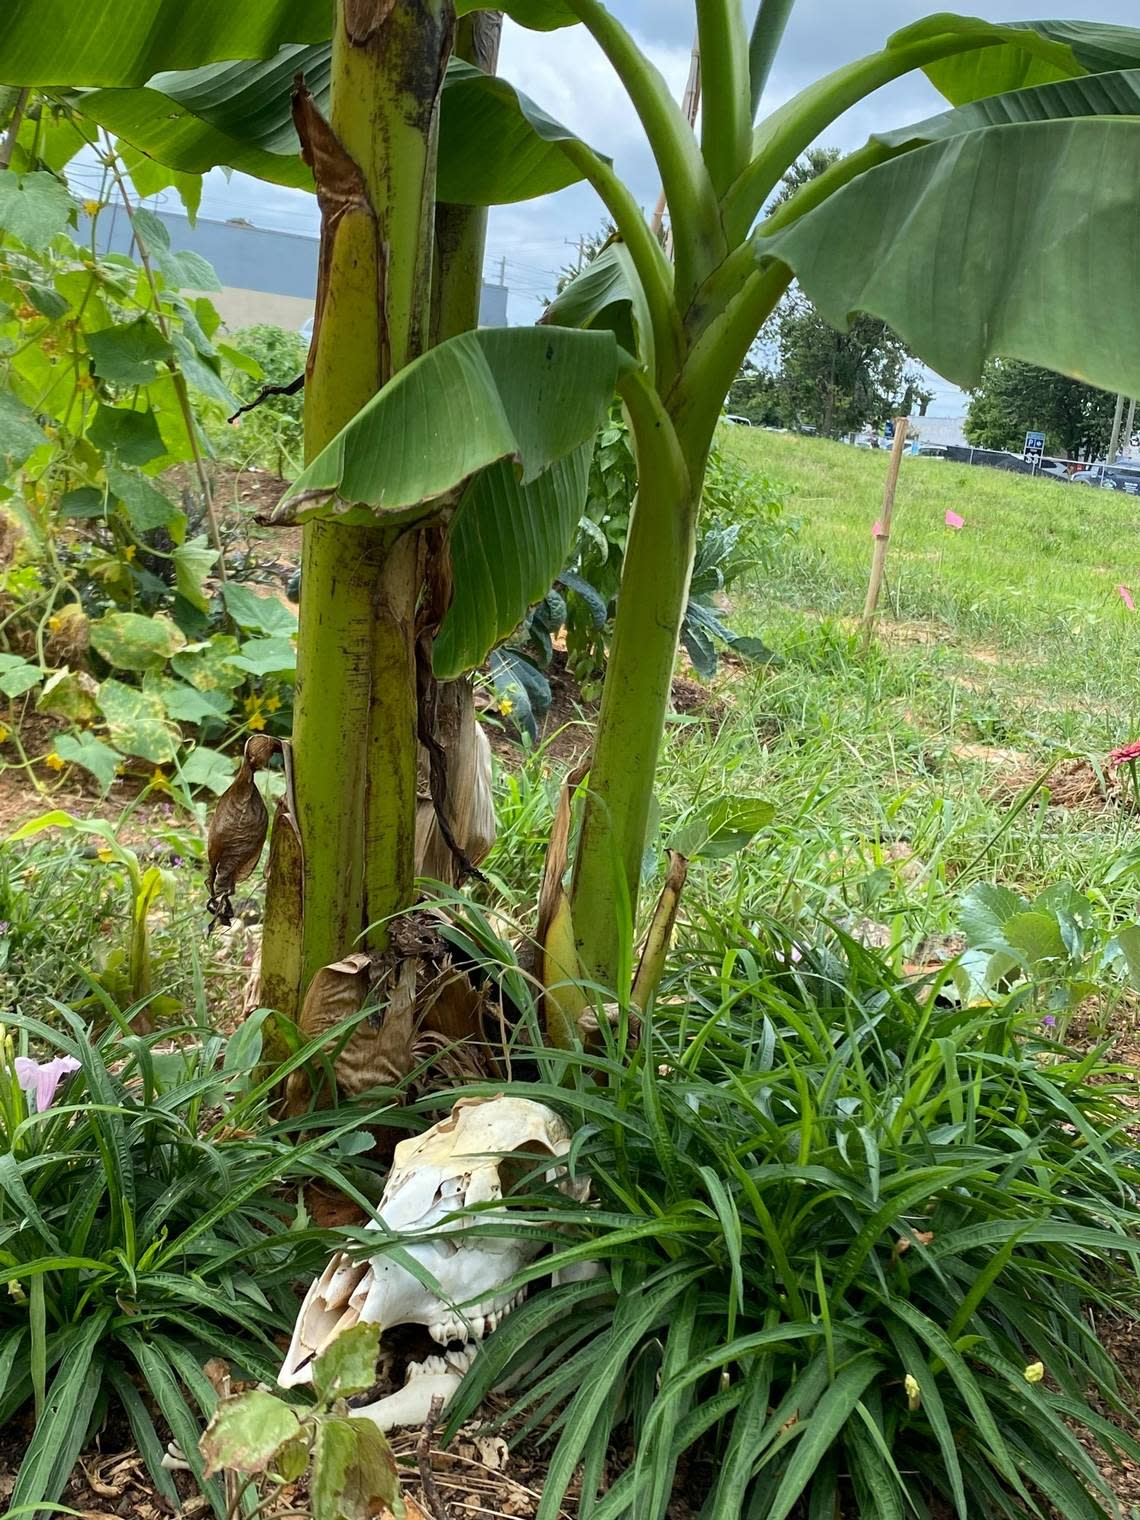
x,y
272,704
158,776
83,382
3,733
913,1392
106,854
92,208
55,622
129,552
506,707
255,720
54,762
1035,1372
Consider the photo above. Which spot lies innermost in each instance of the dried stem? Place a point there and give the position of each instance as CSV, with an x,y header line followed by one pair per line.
x,y
423,1458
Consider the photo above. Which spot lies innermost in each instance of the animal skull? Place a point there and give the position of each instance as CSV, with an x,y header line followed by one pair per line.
x,y
454,1164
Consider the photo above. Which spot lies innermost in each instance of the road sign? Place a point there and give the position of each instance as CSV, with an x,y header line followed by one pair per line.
x,y
1034,448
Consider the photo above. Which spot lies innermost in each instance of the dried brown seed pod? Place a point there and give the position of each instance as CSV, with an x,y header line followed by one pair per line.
x,y
237,830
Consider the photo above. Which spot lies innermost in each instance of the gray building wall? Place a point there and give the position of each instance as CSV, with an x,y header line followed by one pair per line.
x,y
266,275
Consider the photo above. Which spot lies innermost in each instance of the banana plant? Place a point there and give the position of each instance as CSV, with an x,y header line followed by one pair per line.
x,y
1008,224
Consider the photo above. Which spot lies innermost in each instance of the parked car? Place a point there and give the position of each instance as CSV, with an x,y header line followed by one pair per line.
x,y
737,421
1111,477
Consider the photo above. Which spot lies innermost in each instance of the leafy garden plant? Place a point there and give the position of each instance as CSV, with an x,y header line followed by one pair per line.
x,y
1016,164
151,1213
117,631
848,1234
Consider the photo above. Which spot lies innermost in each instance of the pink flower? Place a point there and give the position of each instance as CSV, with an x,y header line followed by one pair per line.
x,y
954,521
1126,598
877,530
1125,754
40,1079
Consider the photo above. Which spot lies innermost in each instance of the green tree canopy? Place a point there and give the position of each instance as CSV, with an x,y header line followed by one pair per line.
x,y
1015,398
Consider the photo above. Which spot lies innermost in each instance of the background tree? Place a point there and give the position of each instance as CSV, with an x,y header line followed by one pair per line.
x,y
837,382
1015,398
756,394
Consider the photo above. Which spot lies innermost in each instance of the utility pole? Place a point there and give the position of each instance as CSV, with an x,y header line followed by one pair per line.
x,y
580,244
1117,422
502,271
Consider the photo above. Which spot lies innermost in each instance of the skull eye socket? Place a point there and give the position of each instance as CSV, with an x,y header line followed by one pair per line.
x,y
524,1169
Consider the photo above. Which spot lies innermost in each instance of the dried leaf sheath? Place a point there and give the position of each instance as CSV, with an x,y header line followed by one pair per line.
x,y
237,830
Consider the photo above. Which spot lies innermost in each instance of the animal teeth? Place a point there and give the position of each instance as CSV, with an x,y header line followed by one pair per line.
x,y
478,1326
438,1333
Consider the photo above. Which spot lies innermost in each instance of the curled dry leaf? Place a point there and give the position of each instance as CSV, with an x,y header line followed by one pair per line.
x,y
237,830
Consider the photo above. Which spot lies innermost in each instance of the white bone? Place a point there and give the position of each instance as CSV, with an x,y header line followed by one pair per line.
x,y
411,1404
454,1164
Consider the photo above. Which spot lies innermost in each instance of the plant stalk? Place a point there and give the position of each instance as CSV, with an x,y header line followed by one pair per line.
x,y
651,604
355,746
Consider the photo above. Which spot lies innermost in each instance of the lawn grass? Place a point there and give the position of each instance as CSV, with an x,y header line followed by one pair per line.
x,y
903,774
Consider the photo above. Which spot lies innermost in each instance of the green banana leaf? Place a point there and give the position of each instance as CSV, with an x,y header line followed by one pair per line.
x,y
528,395
1018,240
1114,94
607,294
509,541
1045,52
120,43
124,42
496,146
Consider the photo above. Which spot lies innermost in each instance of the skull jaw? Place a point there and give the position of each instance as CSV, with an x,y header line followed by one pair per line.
x,y
411,1404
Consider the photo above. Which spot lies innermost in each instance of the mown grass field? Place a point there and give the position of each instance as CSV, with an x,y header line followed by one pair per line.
x,y
1006,668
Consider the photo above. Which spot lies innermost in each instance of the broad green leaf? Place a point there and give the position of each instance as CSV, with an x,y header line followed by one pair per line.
x,y
526,394
130,641
183,269
256,613
523,691
245,1432
511,540
354,1472
84,501
146,507
208,667
536,15
91,753
607,295
192,564
129,353
1048,50
208,768
133,437
348,1364
1129,941
722,827
187,705
69,694
18,675
20,433
33,207
986,907
264,657
137,723
496,146
1036,935
123,42
1015,241
203,375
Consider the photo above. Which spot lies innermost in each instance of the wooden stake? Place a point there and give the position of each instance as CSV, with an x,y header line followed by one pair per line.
x,y
883,531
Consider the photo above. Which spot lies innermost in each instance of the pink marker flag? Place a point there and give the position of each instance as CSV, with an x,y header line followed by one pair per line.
x,y
1126,598
954,521
877,530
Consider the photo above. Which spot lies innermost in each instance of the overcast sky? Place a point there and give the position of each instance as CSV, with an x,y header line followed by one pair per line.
x,y
567,75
